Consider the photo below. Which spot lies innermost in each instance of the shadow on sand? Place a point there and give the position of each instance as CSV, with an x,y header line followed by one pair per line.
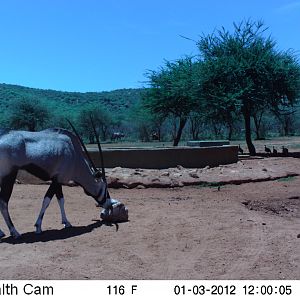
x,y
57,234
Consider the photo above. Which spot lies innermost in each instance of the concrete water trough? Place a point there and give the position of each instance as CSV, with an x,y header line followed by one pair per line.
x,y
156,158
161,158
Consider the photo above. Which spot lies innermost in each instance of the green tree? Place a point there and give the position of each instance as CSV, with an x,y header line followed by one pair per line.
x,y
145,122
101,117
171,92
28,114
243,73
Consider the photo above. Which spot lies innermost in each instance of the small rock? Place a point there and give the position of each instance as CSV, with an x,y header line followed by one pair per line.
x,y
112,179
298,236
179,167
155,180
165,174
265,170
177,175
263,223
194,175
116,169
140,187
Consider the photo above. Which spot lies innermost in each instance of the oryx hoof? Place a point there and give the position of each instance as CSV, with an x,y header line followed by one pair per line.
x,y
38,229
15,234
67,224
2,234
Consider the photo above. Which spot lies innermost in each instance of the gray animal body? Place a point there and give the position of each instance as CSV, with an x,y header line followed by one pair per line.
x,y
52,154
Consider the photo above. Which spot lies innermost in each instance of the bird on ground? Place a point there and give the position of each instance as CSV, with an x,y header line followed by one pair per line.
x,y
268,150
274,150
241,150
285,150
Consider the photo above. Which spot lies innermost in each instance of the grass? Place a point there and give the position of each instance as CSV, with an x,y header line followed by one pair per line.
x,y
287,179
209,185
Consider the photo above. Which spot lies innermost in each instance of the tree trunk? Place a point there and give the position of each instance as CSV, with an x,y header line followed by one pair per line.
x,y
182,123
257,117
230,131
257,127
287,125
246,114
159,133
91,138
144,134
195,128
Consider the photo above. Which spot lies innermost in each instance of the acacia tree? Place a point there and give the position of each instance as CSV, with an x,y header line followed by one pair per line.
x,y
196,122
171,92
243,73
146,123
28,114
101,118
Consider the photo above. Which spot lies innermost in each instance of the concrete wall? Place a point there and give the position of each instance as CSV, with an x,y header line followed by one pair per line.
x,y
160,158
208,143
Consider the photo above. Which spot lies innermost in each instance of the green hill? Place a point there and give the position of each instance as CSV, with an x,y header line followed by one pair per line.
x,y
68,103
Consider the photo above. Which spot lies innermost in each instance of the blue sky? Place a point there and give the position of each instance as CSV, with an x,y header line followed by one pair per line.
x,y
96,45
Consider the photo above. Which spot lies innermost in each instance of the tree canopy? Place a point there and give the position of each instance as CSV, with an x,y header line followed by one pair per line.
x,y
171,91
244,73
237,74
28,114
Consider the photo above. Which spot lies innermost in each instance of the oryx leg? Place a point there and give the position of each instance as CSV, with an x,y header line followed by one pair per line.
x,y
5,193
55,188
47,199
61,203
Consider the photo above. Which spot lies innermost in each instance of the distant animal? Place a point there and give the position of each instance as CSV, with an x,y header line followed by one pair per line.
x,y
268,150
117,136
52,154
155,136
285,151
274,150
240,149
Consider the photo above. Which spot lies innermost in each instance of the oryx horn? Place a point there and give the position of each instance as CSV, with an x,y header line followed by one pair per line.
x,y
83,146
100,150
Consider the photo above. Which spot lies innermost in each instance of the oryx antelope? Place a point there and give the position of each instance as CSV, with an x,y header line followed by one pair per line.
x,y
52,154
117,136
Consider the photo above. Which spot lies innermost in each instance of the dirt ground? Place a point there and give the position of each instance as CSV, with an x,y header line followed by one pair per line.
x,y
228,231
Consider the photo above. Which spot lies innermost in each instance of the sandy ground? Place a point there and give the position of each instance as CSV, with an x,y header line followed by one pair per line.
x,y
245,231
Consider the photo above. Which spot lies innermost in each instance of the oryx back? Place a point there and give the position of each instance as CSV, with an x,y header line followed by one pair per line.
x,y
46,154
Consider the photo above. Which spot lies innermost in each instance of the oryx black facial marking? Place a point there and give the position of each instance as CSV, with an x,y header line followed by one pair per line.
x,y
52,154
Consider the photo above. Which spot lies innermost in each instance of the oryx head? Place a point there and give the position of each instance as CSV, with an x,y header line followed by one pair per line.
x,y
98,188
